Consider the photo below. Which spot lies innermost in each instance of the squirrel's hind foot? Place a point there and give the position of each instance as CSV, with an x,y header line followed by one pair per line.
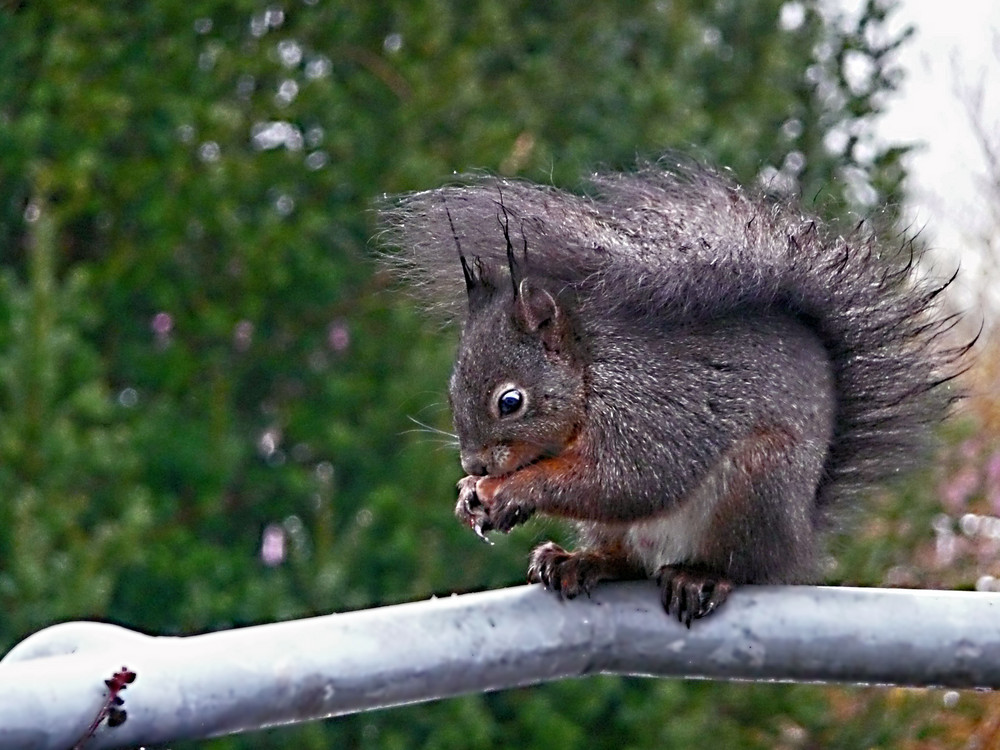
x,y
558,570
689,593
573,573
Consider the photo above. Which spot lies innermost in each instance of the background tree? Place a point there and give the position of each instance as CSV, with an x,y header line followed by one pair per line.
x,y
204,384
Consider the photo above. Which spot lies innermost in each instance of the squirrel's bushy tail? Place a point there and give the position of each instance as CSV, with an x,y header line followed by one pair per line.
x,y
662,246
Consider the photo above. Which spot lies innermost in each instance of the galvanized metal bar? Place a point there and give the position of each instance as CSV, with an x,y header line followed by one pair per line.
x,y
51,685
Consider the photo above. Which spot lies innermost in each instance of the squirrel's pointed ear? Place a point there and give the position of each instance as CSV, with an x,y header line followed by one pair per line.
x,y
538,312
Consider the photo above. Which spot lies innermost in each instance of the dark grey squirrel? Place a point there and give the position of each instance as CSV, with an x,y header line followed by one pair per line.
x,y
696,376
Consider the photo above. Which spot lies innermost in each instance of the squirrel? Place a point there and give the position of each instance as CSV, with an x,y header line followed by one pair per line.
x,y
696,376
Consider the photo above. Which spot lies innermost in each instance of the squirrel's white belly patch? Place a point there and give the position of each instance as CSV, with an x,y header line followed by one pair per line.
x,y
666,540
677,536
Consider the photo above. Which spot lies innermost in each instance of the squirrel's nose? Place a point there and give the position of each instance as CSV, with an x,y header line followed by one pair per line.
x,y
473,465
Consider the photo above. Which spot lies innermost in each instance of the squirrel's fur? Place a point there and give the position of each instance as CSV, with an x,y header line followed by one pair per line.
x,y
712,329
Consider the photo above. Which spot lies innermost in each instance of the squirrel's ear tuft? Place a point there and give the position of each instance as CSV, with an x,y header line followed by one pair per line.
x,y
538,312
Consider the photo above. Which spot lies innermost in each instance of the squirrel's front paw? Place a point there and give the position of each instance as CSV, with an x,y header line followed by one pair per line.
x,y
470,509
505,512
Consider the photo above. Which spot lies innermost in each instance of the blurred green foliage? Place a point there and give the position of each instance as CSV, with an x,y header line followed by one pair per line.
x,y
197,355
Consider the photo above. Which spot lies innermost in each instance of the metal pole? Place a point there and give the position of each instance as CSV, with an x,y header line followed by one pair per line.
x,y
51,685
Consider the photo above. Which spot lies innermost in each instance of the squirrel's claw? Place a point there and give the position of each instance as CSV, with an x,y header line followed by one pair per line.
x,y
690,593
470,510
487,512
570,574
482,526
505,516
552,566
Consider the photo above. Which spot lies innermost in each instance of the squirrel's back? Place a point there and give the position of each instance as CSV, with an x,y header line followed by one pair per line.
x,y
661,248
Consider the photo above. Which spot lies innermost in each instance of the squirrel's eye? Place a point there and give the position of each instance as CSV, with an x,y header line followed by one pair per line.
x,y
509,402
